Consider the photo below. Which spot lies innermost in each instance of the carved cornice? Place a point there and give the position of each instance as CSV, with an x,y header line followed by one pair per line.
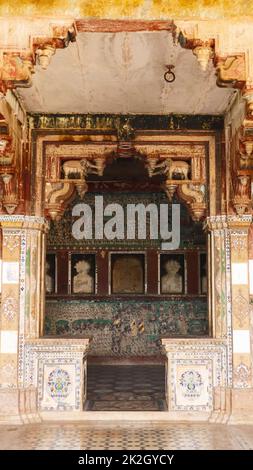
x,y
84,150
166,150
221,222
23,222
112,122
117,26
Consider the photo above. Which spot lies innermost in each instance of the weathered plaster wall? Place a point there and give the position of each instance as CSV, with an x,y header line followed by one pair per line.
x,y
145,9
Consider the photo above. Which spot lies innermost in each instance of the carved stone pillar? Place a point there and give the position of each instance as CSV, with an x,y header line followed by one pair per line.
x,y
23,239
230,306
229,284
219,277
242,354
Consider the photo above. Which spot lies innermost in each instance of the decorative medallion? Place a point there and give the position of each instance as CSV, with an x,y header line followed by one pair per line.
x,y
191,383
59,384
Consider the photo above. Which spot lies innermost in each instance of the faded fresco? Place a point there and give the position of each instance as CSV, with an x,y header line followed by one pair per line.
x,y
126,328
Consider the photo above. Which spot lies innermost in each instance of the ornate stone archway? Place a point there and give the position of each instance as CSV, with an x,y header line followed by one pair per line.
x,y
224,361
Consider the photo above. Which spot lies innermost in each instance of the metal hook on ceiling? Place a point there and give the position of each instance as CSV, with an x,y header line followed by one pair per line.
x,y
169,76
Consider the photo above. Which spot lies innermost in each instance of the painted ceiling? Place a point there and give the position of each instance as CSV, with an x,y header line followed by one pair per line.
x,y
124,73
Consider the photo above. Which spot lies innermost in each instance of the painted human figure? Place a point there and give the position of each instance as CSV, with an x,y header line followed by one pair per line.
x,y
49,280
172,281
83,282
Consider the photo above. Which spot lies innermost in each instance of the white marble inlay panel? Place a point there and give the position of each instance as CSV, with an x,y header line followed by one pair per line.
x,y
251,276
10,272
9,342
241,341
239,273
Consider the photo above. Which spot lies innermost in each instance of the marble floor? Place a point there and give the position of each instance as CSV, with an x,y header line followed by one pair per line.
x,y
126,388
127,436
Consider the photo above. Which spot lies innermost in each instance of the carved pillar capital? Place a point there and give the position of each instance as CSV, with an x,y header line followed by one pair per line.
x,y
221,222
23,222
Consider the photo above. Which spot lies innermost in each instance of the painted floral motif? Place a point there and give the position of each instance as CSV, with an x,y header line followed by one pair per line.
x,y
11,242
191,382
241,309
9,308
242,376
59,384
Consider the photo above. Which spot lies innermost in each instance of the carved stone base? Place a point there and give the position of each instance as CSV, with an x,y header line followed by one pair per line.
x,y
241,406
195,368
18,406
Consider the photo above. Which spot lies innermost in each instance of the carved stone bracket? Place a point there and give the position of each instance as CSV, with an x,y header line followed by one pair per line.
x,y
194,196
230,68
57,197
17,66
184,167
231,71
67,169
10,198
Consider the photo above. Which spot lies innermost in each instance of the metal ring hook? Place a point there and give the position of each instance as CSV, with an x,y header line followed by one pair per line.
x,y
169,76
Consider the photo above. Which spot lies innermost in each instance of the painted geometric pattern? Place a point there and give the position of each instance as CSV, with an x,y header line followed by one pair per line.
x,y
126,328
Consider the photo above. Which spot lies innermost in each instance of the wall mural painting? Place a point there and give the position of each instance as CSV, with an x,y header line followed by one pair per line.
x,y
127,327
172,269
82,273
127,273
125,293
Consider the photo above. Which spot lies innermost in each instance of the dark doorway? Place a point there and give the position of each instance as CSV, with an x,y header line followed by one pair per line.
x,y
126,388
